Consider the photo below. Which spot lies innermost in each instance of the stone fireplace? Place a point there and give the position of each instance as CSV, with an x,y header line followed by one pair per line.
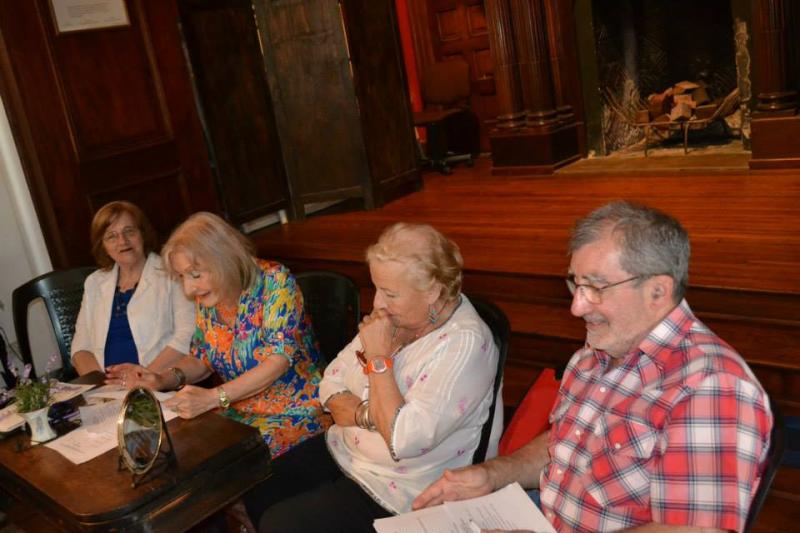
x,y
642,47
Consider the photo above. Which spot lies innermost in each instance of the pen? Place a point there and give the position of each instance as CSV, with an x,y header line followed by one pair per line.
x,y
474,528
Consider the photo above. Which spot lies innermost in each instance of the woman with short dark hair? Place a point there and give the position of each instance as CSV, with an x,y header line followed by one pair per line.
x,y
132,311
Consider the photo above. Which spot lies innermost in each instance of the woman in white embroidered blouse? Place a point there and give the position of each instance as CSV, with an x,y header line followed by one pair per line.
x,y
408,395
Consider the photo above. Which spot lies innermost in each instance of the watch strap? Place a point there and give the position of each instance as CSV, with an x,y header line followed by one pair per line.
x,y
374,365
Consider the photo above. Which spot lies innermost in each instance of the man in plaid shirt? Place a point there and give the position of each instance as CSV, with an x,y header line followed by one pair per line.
x,y
659,424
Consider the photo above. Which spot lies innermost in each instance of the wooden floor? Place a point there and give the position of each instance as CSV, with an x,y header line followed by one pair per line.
x,y
513,231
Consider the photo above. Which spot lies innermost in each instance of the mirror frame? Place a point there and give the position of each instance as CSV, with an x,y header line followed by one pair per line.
x,y
123,451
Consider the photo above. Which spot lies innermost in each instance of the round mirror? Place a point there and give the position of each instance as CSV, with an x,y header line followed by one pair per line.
x,y
140,430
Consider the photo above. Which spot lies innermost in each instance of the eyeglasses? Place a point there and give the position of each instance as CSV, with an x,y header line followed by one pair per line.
x,y
593,294
127,232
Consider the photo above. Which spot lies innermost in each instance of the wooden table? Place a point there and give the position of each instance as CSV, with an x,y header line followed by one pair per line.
x,y
217,461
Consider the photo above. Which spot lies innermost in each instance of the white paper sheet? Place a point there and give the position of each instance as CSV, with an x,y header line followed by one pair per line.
x,y
508,508
90,441
115,392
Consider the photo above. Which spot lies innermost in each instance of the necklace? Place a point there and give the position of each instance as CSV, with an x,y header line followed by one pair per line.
x,y
227,314
121,300
428,328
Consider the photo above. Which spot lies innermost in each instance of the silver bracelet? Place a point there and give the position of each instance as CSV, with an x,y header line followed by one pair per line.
x,y
360,414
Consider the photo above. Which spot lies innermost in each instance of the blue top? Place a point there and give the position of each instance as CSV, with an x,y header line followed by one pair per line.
x,y
120,347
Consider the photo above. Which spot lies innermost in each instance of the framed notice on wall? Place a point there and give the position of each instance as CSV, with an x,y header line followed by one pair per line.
x,y
81,15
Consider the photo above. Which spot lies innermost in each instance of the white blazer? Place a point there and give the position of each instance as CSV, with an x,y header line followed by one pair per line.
x,y
159,313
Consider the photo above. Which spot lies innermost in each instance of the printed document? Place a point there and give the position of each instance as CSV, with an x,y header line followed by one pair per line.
x,y
508,508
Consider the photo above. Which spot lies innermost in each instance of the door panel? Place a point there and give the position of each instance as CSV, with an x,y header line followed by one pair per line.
x,y
458,31
100,115
222,44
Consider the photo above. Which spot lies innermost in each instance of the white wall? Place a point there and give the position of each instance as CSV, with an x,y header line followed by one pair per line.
x,y
23,254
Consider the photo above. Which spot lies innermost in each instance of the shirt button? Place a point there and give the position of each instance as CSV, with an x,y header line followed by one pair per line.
x,y
559,471
603,389
617,445
577,432
549,515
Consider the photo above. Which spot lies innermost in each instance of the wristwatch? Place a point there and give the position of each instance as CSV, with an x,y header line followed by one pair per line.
x,y
379,365
224,400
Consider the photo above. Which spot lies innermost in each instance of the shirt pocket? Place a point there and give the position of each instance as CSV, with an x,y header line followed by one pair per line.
x,y
618,473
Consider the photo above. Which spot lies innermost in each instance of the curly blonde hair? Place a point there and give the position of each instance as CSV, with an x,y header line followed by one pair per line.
x,y
430,257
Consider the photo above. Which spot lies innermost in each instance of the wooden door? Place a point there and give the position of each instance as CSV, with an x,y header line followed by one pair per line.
x,y
100,115
458,31
222,43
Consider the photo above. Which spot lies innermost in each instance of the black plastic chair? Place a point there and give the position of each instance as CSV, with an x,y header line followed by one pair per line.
x,y
777,444
332,301
501,331
62,291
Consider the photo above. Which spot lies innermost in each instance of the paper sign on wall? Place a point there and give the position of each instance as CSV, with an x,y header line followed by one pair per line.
x,y
77,15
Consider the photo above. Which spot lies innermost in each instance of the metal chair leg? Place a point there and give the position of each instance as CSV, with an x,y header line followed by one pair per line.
x,y
685,138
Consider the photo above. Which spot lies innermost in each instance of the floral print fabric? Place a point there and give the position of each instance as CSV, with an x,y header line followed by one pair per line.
x,y
269,321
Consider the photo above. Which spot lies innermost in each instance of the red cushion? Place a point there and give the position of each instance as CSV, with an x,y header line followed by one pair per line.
x,y
531,417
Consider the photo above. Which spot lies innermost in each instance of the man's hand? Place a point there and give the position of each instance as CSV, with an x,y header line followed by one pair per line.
x,y
460,484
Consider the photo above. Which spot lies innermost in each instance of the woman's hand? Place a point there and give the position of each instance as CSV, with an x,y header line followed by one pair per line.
x,y
192,401
375,332
129,376
343,407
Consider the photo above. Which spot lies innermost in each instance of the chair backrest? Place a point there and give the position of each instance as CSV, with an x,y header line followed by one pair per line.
x,y
332,301
62,291
446,83
777,444
501,331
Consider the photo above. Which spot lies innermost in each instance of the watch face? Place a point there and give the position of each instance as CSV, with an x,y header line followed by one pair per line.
x,y
379,366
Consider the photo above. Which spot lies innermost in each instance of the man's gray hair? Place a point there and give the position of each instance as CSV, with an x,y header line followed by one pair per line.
x,y
651,242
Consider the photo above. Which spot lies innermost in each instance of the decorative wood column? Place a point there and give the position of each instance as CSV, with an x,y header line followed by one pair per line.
x,y
561,88
506,75
772,45
530,38
775,125
546,140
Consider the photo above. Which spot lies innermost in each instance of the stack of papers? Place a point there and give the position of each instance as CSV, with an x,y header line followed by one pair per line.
x,y
507,509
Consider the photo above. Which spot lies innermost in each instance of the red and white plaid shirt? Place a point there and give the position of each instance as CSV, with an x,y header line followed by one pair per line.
x,y
676,434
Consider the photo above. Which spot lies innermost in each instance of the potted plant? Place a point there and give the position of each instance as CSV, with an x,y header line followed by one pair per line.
x,y
33,401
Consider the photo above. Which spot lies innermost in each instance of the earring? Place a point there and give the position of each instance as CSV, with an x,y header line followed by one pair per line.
x,y
433,315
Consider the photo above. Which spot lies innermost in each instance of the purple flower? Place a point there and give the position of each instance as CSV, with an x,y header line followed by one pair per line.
x,y
52,363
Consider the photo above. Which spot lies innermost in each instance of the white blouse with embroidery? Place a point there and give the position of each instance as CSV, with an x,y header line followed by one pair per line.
x,y
446,380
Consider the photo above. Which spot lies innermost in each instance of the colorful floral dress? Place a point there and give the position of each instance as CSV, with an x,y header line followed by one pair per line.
x,y
269,321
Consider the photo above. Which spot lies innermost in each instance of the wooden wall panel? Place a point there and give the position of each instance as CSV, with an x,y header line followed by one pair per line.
x,y
99,106
100,115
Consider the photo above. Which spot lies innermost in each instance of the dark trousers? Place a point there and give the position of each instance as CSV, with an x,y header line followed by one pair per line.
x,y
308,493
303,467
339,506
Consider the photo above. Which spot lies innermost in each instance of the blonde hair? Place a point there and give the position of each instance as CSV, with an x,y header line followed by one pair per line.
x,y
214,245
106,216
430,257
